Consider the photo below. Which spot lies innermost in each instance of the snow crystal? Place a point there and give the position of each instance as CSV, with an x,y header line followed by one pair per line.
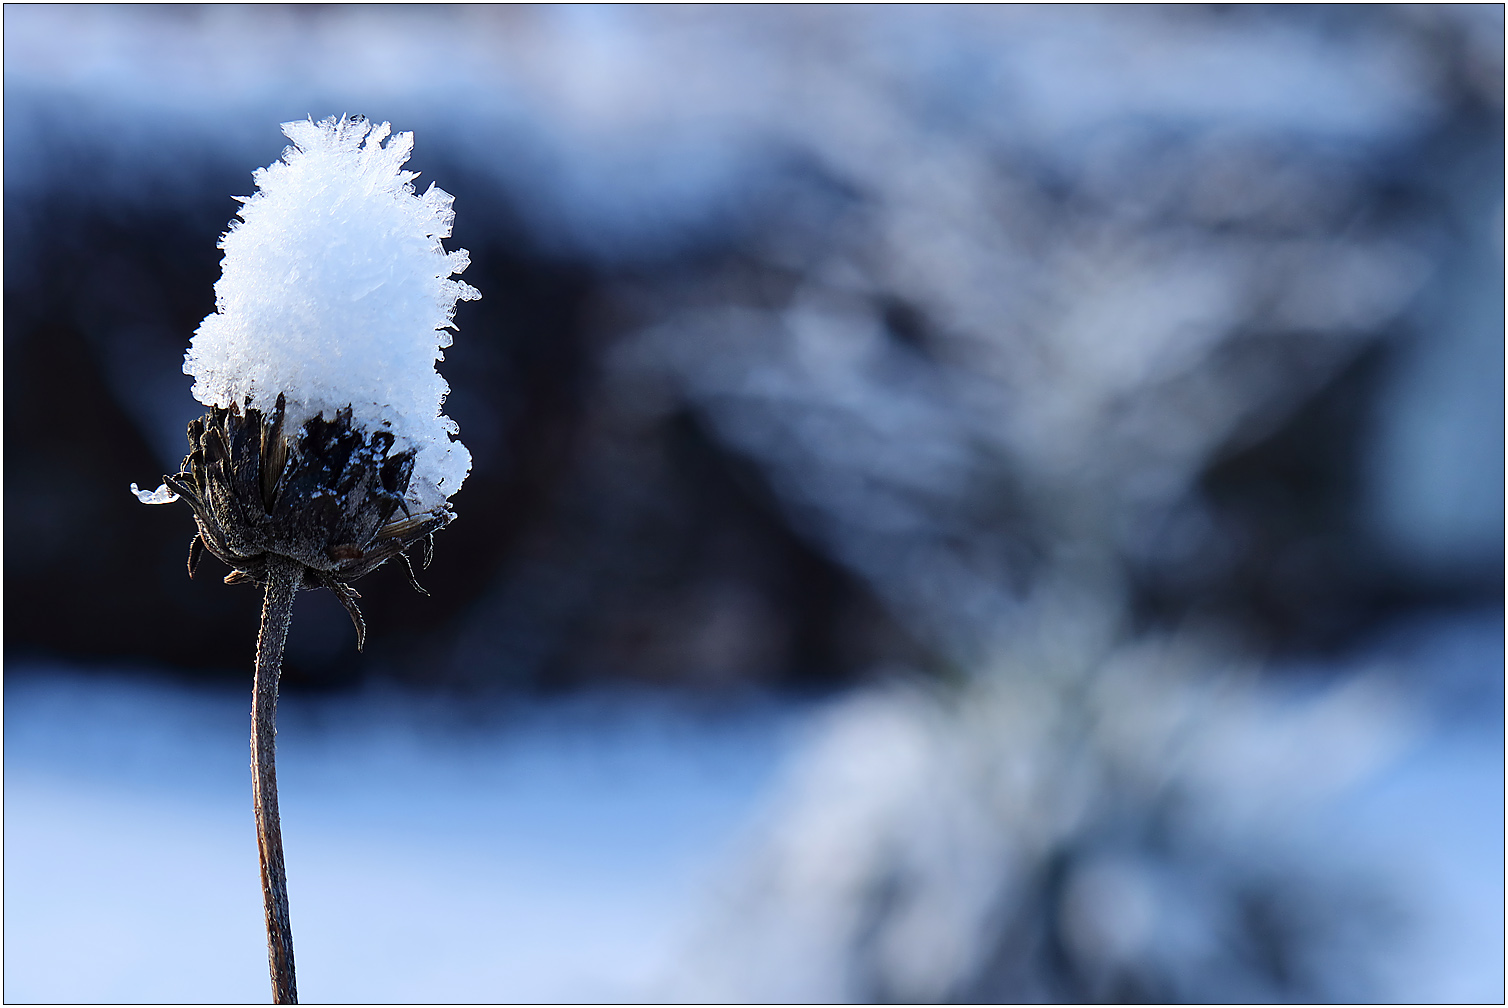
x,y
335,291
162,495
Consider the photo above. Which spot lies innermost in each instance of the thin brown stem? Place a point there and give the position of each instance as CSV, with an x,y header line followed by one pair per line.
x,y
283,577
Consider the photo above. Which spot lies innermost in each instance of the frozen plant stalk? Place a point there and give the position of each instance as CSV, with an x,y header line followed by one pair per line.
x,y
323,453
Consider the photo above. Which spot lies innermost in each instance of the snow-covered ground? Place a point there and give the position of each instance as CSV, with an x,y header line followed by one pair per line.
x,y
552,855
564,851
1433,824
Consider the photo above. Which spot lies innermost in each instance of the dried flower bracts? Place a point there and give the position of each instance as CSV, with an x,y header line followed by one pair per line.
x,y
329,496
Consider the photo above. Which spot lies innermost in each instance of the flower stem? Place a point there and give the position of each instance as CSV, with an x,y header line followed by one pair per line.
x,y
283,577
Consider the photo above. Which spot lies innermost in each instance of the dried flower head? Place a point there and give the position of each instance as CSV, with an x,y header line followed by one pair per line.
x,y
324,442
330,497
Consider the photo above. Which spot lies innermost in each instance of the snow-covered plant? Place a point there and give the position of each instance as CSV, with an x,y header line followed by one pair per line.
x,y
324,453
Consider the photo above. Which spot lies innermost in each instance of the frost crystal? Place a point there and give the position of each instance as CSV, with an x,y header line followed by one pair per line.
x,y
162,495
335,291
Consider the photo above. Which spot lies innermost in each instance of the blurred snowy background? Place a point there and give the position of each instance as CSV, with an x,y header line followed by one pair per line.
x,y
982,504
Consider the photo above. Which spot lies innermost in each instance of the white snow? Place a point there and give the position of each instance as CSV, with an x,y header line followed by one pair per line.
x,y
580,851
571,852
559,854
335,291
162,495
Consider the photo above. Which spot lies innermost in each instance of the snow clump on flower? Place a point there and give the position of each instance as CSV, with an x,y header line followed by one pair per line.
x,y
335,291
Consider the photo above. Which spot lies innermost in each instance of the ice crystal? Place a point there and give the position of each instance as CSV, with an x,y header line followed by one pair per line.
x,y
162,495
335,291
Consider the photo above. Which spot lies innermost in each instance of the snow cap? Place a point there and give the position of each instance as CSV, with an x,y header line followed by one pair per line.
x,y
335,291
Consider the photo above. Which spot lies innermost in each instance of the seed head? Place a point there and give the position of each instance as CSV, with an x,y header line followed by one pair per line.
x,y
324,442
